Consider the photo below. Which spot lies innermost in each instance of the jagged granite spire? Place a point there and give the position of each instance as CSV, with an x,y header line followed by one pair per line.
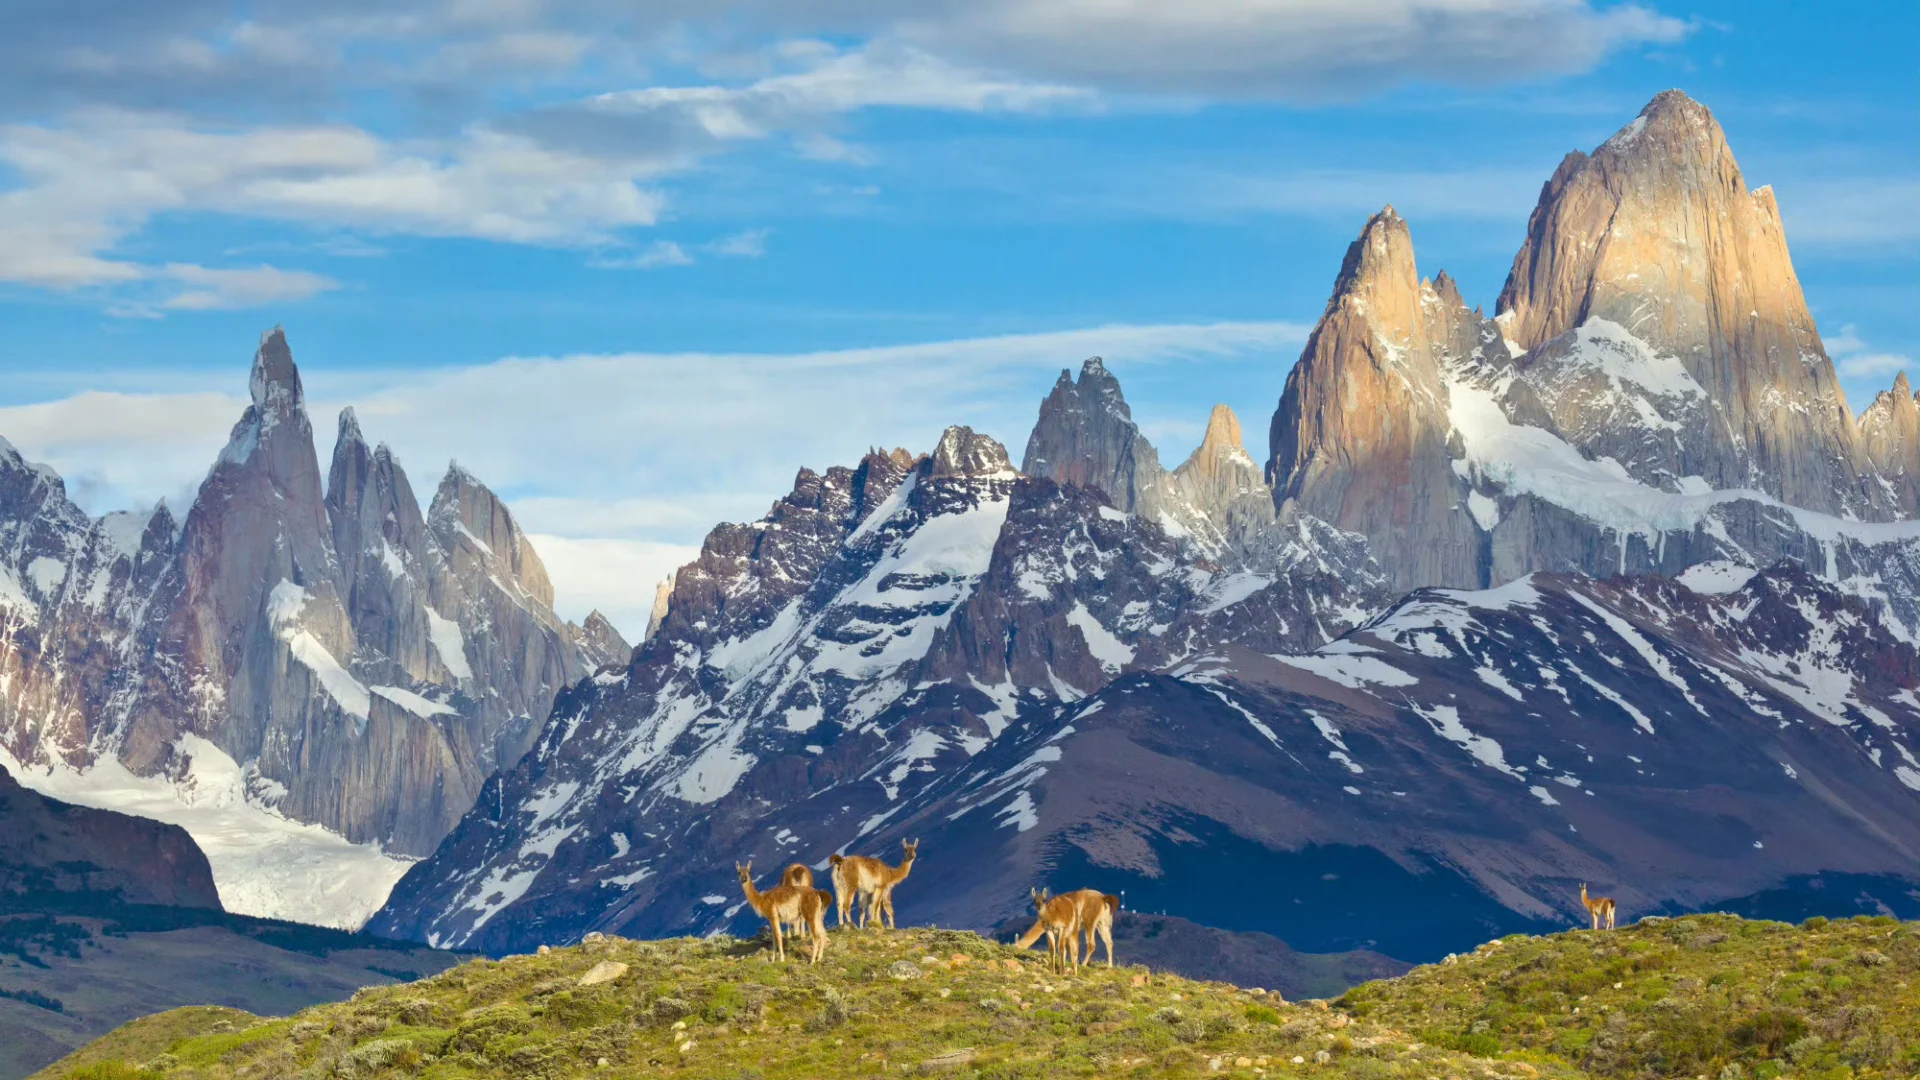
x,y
1890,434
1654,237
1086,437
1360,438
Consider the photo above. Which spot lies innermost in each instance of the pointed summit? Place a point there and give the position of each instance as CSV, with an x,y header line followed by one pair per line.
x,y
1448,290
474,527
1223,482
965,452
1890,434
1656,231
1360,438
1085,436
275,381
349,430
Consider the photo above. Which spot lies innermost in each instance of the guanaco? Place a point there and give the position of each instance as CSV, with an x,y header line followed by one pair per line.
x,y
800,877
787,904
1096,918
1059,919
871,882
1599,908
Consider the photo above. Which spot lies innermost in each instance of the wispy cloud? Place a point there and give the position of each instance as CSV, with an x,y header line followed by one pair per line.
x,y
1861,214
750,244
1856,359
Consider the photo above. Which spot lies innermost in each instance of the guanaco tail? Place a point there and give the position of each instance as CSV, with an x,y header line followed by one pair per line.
x,y
784,904
871,882
1599,908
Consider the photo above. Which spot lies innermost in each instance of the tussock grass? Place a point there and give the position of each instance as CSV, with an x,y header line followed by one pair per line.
x,y
913,1002
1701,996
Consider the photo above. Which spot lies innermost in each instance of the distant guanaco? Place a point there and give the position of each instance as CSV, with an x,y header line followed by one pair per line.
x,y
1599,908
871,882
784,904
1059,919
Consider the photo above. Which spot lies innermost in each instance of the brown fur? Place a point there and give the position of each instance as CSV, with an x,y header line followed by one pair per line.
x,y
1059,920
1599,908
785,904
871,882
1097,910
798,876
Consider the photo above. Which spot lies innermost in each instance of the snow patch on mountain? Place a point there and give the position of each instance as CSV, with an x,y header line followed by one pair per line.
x,y
263,864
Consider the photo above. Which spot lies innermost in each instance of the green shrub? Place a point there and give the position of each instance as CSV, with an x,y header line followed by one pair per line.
x,y
1770,1032
1260,1014
111,1070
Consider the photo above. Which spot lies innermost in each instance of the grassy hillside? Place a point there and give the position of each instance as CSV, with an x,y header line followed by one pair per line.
x,y
1695,996
922,1001
1710,995
66,979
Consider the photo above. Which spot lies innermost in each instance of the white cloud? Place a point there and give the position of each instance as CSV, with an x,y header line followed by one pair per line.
x,y
654,256
1850,212
1856,359
614,576
249,287
1287,49
1871,364
90,184
750,244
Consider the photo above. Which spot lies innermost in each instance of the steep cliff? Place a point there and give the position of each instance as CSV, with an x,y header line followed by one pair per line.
x,y
290,656
1665,326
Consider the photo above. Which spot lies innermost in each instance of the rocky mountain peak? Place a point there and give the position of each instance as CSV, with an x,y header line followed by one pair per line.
x,y
1360,438
1448,290
1224,483
275,381
349,429
1655,235
1379,270
965,452
472,524
1085,436
1890,436
1221,449
600,637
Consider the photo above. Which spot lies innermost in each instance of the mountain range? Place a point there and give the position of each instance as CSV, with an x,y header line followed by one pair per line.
x,y
1609,587
309,672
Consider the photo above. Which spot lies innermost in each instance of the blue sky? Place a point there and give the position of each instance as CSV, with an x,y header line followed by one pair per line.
x,y
635,263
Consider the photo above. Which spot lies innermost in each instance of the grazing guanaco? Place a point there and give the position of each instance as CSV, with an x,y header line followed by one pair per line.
x,y
1599,908
784,904
1059,919
871,882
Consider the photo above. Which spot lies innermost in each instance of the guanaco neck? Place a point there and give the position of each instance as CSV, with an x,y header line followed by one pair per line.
x,y
896,876
754,896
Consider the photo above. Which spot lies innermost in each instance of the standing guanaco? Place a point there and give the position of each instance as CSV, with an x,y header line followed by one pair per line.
x,y
784,904
1096,918
1059,919
1599,908
871,882
799,876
